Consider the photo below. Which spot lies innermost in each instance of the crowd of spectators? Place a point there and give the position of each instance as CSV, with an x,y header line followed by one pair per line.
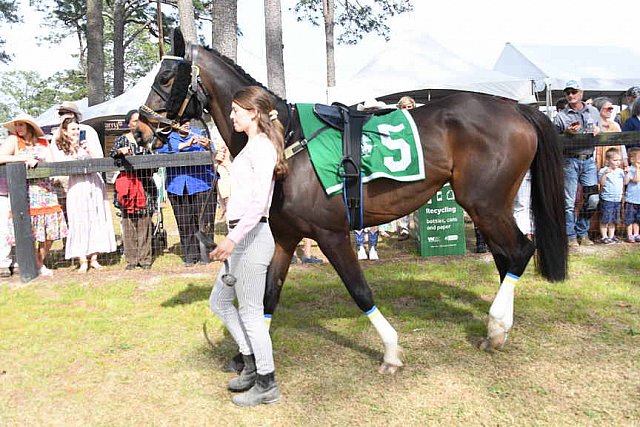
x,y
606,176
75,208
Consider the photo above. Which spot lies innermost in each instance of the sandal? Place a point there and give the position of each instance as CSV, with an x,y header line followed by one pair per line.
x,y
96,265
84,267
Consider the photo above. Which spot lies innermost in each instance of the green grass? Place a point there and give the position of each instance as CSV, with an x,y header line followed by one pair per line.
x,y
116,348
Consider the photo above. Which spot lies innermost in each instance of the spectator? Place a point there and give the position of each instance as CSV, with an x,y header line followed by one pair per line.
x,y
633,122
632,197
605,106
307,257
27,144
187,188
579,165
562,102
405,103
66,110
136,196
6,263
88,212
630,96
522,201
373,235
611,179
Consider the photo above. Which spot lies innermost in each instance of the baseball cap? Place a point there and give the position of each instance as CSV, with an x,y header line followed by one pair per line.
x,y
572,84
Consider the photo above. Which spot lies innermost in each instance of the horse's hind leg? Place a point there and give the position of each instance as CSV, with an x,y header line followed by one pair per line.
x,y
337,247
511,252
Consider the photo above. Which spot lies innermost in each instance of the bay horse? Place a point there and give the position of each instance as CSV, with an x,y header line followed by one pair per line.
x,y
482,145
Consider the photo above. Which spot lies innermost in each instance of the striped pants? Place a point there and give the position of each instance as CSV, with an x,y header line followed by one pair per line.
x,y
246,324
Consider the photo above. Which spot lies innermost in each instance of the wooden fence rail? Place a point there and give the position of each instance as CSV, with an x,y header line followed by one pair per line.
x,y
17,174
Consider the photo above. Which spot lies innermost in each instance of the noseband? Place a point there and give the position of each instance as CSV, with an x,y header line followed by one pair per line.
x,y
166,125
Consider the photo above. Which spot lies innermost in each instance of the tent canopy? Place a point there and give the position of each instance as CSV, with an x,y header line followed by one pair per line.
x,y
417,65
114,108
602,70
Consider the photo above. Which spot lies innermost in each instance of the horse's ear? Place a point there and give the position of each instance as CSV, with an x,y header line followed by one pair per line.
x,y
177,44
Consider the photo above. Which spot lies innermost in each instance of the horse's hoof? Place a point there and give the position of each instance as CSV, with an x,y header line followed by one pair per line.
x,y
495,342
388,369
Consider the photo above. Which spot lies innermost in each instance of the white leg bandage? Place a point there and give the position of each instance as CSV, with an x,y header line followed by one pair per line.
x,y
502,307
384,328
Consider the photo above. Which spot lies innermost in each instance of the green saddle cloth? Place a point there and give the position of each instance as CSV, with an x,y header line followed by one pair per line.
x,y
390,149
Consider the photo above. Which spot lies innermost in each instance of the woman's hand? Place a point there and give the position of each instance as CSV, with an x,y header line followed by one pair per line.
x,y
221,153
31,162
223,250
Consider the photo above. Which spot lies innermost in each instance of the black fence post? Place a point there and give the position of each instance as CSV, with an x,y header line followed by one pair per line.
x,y
19,195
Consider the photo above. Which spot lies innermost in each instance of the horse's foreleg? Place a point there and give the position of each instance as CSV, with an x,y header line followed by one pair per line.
x,y
277,273
337,248
511,251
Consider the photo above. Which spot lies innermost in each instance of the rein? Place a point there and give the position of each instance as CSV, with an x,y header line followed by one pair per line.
x,y
165,125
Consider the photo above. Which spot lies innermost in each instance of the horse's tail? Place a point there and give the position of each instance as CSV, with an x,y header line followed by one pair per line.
x,y
547,198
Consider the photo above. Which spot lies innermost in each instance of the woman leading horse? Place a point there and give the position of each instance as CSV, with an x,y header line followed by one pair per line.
x,y
481,144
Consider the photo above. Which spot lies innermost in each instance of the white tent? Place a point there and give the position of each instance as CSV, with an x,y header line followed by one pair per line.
x,y
119,106
602,70
419,66
116,107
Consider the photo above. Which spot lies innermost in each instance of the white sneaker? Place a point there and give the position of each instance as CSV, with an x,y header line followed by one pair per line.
x,y
373,254
362,253
44,271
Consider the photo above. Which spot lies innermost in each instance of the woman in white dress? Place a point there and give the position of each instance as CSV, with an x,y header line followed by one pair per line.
x,y
88,209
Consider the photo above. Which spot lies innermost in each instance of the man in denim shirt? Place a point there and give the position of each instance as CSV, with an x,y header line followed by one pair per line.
x,y
187,188
579,164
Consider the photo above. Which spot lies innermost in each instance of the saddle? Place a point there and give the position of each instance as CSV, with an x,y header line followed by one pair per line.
x,y
350,122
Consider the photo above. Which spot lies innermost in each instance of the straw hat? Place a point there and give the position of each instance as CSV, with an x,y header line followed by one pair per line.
x,y
26,118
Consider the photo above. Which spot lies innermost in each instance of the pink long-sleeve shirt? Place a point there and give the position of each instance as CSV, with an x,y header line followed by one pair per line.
x,y
252,183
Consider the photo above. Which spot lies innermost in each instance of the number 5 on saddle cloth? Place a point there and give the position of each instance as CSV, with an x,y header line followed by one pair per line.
x,y
350,122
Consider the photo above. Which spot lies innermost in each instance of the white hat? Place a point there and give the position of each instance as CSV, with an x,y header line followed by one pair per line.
x,y
370,104
528,100
26,118
70,107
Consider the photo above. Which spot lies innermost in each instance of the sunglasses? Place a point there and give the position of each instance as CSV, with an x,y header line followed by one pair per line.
x,y
571,91
608,109
62,113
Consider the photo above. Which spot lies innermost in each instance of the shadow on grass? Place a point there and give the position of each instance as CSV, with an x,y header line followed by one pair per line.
x,y
192,293
421,301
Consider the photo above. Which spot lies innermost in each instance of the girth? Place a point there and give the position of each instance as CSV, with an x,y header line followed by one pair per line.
x,y
350,122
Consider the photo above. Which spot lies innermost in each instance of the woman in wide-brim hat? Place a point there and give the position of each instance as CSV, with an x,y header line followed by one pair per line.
x,y
26,144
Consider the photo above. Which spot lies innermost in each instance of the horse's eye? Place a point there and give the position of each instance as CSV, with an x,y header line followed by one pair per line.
x,y
163,78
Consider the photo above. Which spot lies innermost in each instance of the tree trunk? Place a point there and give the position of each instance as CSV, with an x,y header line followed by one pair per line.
x,y
160,29
187,21
329,23
118,47
224,27
95,52
274,47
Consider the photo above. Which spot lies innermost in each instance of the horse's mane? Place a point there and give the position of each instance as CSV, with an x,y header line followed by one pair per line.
x,y
242,72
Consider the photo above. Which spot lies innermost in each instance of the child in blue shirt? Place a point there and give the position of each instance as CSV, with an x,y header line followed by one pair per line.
x,y
611,179
632,197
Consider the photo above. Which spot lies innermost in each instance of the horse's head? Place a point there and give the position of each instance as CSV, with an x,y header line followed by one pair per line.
x,y
176,96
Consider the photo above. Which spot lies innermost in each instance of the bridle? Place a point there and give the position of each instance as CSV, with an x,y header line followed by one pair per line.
x,y
195,92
